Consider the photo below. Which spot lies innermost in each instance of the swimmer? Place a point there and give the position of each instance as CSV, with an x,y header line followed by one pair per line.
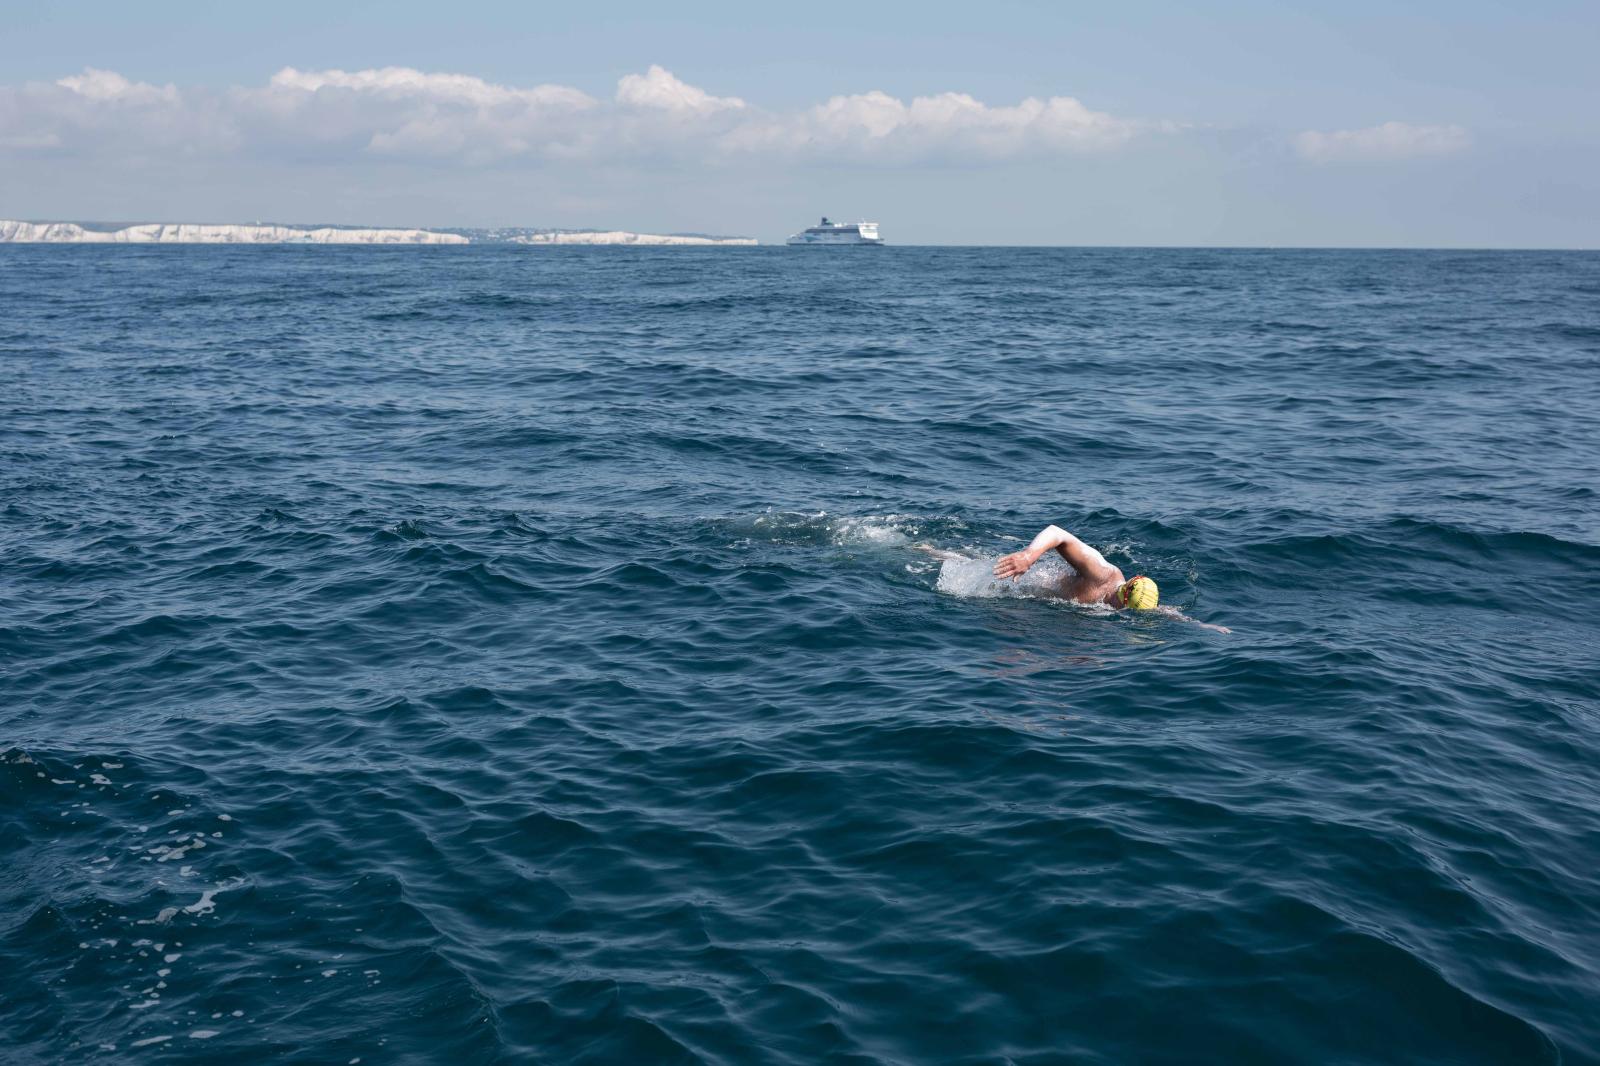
x,y
1092,580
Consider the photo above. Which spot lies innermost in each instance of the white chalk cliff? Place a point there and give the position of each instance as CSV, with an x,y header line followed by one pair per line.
x,y
191,233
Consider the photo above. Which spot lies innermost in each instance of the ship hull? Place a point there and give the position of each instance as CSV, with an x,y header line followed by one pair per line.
x,y
827,242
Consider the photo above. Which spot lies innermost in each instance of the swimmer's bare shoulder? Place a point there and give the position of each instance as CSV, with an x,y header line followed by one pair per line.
x,y
1093,580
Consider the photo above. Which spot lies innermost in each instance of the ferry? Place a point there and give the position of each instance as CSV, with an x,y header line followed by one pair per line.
x,y
839,233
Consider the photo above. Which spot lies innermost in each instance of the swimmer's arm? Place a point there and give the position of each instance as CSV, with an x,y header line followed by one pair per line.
x,y
1173,612
1084,559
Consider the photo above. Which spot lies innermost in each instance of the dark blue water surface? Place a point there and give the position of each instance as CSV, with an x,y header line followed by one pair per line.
x,y
501,655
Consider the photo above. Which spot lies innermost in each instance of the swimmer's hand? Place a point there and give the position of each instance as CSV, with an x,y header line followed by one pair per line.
x,y
1014,565
1082,558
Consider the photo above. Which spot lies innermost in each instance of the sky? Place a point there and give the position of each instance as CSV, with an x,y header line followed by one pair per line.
x,y
1470,124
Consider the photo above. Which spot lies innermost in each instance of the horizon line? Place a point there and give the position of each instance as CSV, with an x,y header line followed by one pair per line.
x,y
772,244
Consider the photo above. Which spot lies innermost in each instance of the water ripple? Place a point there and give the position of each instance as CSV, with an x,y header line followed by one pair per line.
x,y
512,656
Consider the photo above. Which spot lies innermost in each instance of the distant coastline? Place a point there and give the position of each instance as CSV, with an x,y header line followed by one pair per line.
x,y
625,237
17,232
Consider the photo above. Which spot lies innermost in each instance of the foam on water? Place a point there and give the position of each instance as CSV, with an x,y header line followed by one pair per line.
x,y
840,530
974,578
878,531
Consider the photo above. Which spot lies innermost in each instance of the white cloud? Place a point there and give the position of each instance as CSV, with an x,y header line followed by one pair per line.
x,y
956,121
1392,140
398,112
106,85
30,141
405,83
657,88
100,111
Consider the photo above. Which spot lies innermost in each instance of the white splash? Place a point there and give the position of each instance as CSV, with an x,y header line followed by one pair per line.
x,y
973,578
877,531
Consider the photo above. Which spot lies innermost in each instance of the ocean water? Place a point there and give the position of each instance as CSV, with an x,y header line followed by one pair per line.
x,y
507,655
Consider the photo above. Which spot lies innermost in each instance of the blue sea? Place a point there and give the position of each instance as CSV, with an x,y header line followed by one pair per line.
x,y
491,655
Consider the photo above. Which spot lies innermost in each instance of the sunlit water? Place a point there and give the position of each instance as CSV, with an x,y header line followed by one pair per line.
x,y
493,654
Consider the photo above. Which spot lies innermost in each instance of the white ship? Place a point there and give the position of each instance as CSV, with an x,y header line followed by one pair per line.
x,y
839,233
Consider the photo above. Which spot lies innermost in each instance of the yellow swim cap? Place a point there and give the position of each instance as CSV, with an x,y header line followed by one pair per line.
x,y
1140,593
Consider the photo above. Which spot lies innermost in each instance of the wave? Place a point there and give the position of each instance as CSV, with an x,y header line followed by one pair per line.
x,y
561,672
1400,547
819,528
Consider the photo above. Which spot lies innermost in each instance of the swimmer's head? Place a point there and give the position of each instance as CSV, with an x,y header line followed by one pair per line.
x,y
1139,593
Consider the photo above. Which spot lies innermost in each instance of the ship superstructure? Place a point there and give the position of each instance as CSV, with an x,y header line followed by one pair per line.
x,y
834,233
